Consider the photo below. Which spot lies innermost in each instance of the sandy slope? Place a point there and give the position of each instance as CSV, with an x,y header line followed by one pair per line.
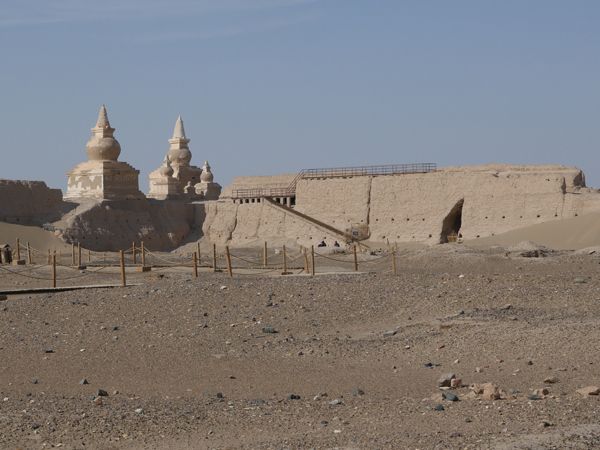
x,y
574,234
37,237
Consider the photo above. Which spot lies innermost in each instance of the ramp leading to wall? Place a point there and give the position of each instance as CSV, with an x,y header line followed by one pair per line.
x,y
347,237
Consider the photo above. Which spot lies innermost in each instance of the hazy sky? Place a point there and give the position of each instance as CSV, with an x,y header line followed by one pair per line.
x,y
274,86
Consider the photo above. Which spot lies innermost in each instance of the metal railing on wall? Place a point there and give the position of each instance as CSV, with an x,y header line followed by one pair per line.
x,y
336,172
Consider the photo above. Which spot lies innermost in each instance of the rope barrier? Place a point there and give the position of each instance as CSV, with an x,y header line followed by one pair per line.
x,y
253,261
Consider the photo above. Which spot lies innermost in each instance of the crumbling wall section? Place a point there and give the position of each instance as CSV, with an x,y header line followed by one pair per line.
x,y
26,202
113,225
338,202
252,223
412,207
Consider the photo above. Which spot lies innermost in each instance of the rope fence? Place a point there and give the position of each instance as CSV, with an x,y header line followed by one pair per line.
x,y
246,260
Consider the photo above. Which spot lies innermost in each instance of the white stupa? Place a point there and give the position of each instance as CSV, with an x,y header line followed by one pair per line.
x,y
189,184
103,177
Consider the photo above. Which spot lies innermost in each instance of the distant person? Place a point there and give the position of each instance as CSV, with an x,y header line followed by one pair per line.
x,y
336,244
322,244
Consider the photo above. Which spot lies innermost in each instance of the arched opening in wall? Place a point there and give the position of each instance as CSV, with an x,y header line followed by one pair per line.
x,y
452,223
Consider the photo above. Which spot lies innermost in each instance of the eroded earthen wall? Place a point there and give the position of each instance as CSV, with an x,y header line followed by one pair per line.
x,y
492,199
26,201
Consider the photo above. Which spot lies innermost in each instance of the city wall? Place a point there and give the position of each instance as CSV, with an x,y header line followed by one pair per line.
x,y
28,202
422,208
471,201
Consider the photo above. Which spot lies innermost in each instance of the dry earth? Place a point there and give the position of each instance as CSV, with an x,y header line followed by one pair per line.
x,y
186,364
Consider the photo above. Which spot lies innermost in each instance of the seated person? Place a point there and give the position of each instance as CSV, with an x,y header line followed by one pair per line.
x,y
336,244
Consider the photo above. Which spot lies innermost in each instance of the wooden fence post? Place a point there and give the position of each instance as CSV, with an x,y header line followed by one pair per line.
x,y
48,259
53,271
312,259
394,261
284,262
28,253
89,255
355,259
214,257
72,254
198,250
228,261
18,250
123,279
79,254
143,255
195,266
134,257
305,260
265,254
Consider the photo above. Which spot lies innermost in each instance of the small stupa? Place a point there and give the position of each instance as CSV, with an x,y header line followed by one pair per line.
x,y
164,186
207,189
103,177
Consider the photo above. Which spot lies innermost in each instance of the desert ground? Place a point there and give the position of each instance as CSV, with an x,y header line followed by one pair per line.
x,y
339,360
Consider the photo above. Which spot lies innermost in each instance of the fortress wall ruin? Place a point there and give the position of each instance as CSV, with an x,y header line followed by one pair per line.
x,y
475,201
114,224
24,202
224,222
489,199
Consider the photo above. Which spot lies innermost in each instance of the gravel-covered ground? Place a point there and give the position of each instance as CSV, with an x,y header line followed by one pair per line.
x,y
189,363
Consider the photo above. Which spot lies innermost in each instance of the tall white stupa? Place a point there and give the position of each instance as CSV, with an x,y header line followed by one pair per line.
x,y
183,180
103,177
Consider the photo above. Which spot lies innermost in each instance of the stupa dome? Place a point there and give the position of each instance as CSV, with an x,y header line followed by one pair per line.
x,y
207,176
103,146
166,169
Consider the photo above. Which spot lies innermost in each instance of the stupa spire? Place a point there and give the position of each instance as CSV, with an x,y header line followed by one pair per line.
x,y
102,128
103,118
179,132
179,153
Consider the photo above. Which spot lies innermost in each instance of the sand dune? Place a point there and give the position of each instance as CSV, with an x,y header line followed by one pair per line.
x,y
567,234
37,237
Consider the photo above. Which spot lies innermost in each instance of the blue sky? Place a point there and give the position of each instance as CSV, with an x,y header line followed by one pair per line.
x,y
274,86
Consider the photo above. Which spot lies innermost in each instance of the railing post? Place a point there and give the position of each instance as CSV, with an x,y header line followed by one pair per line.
x,y
265,254
134,257
312,259
89,255
284,262
305,260
195,266
72,254
143,255
79,254
355,259
228,261
214,257
18,250
199,255
53,271
48,259
28,254
123,279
